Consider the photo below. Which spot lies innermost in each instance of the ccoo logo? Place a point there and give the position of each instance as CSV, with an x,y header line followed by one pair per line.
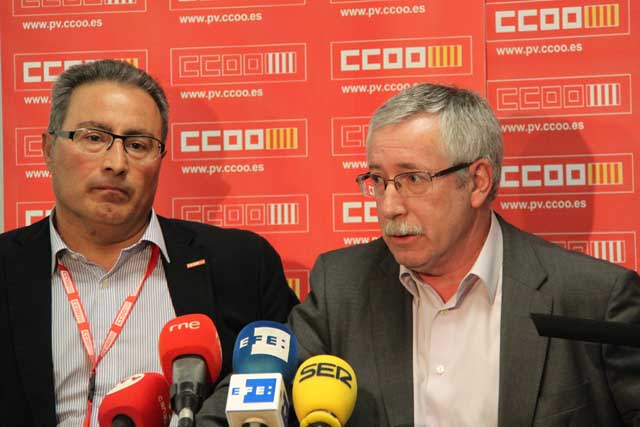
x,y
415,57
38,71
60,7
354,212
562,174
262,214
529,20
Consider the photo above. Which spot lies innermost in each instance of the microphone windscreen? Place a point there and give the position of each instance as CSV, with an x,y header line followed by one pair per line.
x,y
144,398
264,347
324,391
190,335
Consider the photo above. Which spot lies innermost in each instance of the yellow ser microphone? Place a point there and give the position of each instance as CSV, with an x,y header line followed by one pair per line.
x,y
324,392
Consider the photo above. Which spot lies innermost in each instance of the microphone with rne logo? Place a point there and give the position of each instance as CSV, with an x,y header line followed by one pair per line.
x,y
191,360
324,392
141,400
265,357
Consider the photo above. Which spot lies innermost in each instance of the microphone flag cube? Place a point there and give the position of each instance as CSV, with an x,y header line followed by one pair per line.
x,y
260,398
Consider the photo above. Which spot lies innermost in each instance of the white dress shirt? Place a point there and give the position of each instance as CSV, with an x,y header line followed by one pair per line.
x,y
456,345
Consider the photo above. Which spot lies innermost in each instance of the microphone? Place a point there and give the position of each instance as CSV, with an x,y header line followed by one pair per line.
x,y
191,359
324,392
265,357
141,400
598,331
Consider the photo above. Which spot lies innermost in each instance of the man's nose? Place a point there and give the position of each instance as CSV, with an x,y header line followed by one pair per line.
x,y
391,204
115,158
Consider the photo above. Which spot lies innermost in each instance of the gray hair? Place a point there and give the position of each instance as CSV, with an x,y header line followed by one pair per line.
x,y
108,70
469,129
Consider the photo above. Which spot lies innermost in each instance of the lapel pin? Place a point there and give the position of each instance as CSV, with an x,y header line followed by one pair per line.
x,y
196,263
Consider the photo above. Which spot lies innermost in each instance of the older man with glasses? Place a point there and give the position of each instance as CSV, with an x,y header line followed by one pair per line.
x,y
435,316
104,250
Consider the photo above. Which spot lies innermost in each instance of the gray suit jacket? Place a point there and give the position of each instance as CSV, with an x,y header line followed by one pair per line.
x,y
359,311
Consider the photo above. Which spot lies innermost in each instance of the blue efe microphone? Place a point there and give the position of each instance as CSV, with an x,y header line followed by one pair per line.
x,y
265,359
266,347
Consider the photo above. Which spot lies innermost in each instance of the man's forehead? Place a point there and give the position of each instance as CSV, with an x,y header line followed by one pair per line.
x,y
413,165
82,107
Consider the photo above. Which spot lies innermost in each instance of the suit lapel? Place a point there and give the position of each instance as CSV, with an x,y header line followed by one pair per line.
x,y
188,272
522,350
29,301
392,332
29,297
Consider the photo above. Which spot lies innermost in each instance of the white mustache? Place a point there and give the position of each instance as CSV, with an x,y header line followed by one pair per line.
x,y
401,229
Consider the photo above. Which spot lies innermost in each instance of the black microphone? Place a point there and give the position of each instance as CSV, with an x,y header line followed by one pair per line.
x,y
598,331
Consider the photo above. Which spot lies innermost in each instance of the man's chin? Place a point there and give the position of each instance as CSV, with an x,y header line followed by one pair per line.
x,y
412,259
111,215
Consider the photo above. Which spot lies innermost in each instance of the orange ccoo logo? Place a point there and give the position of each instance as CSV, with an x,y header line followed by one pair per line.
x,y
262,214
415,57
257,139
299,282
38,71
578,174
530,20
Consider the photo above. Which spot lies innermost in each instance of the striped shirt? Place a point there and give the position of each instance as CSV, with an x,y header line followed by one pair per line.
x,y
102,293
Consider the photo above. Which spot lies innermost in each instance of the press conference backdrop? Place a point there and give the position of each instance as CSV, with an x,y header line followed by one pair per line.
x,y
270,101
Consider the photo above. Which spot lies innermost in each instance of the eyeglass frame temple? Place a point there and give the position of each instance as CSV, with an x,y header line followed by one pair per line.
x,y
443,172
70,134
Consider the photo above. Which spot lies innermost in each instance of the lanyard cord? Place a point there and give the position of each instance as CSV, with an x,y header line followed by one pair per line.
x,y
118,323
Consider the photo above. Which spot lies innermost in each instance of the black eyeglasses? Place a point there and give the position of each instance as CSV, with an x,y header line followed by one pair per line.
x,y
408,184
96,141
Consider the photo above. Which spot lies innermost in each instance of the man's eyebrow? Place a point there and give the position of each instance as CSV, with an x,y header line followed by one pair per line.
x,y
411,166
96,125
407,166
103,126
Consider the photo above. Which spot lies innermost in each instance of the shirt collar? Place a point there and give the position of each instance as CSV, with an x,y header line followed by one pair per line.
x,y
152,234
487,267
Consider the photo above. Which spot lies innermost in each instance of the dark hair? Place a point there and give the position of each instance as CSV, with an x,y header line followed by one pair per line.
x,y
104,70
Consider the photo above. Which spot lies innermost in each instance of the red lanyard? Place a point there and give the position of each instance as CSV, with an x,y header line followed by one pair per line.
x,y
116,326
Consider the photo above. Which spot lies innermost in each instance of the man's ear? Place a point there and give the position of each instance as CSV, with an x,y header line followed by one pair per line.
x,y
481,178
47,148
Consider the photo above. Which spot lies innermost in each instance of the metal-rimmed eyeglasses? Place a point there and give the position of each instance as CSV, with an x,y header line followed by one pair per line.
x,y
95,141
408,184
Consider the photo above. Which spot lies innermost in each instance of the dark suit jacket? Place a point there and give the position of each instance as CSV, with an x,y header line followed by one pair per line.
x,y
241,281
359,311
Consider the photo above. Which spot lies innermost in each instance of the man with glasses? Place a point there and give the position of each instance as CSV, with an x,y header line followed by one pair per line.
x,y
435,316
103,251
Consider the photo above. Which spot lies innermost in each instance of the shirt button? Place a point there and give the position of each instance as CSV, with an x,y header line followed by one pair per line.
x,y
440,369
104,284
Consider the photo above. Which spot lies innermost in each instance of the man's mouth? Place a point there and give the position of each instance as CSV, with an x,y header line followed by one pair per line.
x,y
395,229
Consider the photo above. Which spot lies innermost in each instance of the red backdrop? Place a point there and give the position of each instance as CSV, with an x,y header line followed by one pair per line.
x,y
270,101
